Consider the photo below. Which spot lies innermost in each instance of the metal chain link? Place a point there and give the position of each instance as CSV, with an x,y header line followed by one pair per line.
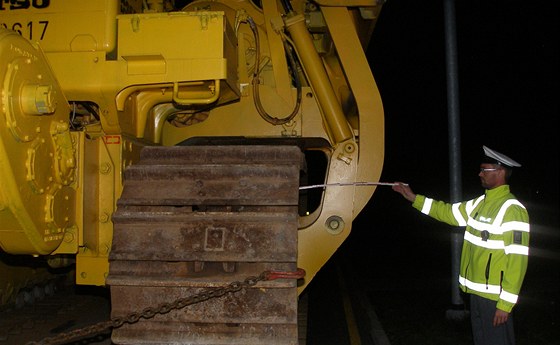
x,y
164,308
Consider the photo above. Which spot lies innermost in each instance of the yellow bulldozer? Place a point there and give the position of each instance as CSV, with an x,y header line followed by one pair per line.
x,y
164,148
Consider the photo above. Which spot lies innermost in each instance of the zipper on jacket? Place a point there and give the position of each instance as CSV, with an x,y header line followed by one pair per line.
x,y
487,273
501,280
466,274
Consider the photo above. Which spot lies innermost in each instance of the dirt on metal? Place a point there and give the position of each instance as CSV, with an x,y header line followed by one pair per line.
x,y
193,218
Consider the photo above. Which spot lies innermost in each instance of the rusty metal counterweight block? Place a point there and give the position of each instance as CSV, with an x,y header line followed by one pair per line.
x,y
197,217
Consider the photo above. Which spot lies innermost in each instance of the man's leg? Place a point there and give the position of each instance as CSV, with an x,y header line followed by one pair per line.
x,y
482,318
476,321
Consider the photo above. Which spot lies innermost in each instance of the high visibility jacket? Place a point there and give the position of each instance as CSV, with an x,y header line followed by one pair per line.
x,y
496,242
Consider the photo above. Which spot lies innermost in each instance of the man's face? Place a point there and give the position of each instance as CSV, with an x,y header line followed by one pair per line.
x,y
491,175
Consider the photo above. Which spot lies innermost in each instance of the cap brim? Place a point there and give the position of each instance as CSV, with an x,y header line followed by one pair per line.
x,y
495,157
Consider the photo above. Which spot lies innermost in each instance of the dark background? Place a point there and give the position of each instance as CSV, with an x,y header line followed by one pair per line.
x,y
508,81
508,84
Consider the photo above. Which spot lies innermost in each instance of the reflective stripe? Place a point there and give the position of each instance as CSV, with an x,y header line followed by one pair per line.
x,y
457,214
481,226
471,204
517,249
506,296
496,244
501,213
493,289
515,225
496,229
477,241
427,205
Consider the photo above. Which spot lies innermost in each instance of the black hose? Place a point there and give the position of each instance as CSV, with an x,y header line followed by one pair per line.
x,y
256,95
287,6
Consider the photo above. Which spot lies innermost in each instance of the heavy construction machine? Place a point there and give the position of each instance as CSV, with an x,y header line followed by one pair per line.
x,y
166,149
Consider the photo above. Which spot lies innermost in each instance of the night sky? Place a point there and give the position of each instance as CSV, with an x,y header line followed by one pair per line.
x,y
508,86
508,61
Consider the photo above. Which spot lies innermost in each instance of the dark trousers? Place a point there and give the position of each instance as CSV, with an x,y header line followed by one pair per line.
x,y
482,317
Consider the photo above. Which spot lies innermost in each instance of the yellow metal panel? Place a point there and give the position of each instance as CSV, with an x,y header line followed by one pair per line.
x,y
91,270
145,64
153,54
368,100
74,234
175,35
152,44
282,79
102,183
334,221
37,152
93,23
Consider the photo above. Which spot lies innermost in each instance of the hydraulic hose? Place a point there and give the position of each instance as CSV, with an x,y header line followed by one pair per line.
x,y
256,95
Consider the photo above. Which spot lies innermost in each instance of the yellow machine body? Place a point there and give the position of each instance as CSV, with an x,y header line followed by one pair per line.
x,y
86,85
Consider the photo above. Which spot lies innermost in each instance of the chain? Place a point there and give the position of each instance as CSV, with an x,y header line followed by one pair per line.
x,y
164,308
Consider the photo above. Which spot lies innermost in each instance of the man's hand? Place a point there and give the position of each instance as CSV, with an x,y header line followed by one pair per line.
x,y
500,317
404,190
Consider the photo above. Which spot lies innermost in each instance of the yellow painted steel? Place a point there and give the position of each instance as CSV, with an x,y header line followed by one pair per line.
x,y
352,160
282,80
335,121
37,152
371,130
102,181
64,25
160,79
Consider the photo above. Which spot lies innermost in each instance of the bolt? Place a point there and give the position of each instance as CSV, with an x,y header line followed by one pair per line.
x,y
104,218
334,225
68,237
105,168
61,127
349,148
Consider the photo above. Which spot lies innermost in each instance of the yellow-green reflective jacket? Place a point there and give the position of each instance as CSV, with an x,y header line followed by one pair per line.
x,y
496,244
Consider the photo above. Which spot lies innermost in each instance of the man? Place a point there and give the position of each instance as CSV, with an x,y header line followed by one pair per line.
x,y
495,247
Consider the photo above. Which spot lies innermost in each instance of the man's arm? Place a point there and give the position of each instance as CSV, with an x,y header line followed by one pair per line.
x,y
405,190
